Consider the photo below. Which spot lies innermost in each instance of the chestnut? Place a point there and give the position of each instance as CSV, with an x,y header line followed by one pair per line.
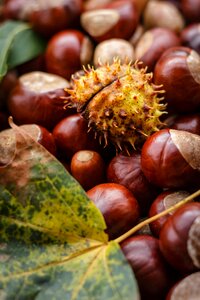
x,y
118,206
153,43
187,288
88,168
107,50
151,271
46,17
178,68
67,51
179,238
71,135
170,159
164,201
190,36
126,170
163,14
117,19
50,17
191,10
189,122
36,98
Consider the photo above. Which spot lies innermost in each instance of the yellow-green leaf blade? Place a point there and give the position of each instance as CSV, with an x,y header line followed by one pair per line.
x,y
37,190
97,274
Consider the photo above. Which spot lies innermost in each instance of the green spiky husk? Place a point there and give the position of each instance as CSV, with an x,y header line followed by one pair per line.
x,y
120,103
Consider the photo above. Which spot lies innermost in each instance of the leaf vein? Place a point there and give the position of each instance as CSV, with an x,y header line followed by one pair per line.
x,y
51,264
112,284
84,277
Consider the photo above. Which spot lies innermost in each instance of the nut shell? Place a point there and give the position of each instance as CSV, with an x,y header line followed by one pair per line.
x,y
88,168
175,238
169,159
164,201
151,271
126,170
118,206
71,135
177,68
36,99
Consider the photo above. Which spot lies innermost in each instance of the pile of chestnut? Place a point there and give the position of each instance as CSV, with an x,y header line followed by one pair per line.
x,y
165,36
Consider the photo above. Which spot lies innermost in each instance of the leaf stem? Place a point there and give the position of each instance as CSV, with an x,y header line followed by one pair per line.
x,y
149,220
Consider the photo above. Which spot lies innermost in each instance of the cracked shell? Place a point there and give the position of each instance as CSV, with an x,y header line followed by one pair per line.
x,y
120,103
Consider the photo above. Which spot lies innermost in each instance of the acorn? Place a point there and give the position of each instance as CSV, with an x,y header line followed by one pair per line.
x,y
119,101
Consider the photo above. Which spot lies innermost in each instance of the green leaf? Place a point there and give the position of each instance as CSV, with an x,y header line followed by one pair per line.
x,y
18,44
26,46
47,272
52,240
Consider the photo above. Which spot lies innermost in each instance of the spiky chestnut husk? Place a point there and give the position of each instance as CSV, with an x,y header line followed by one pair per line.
x,y
119,101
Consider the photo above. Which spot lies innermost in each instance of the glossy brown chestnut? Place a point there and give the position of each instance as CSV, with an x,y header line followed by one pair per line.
x,y
177,69
179,238
47,17
163,14
88,168
189,122
191,10
164,201
150,269
67,51
118,206
53,16
190,36
126,170
187,288
170,159
153,43
71,135
117,19
36,99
